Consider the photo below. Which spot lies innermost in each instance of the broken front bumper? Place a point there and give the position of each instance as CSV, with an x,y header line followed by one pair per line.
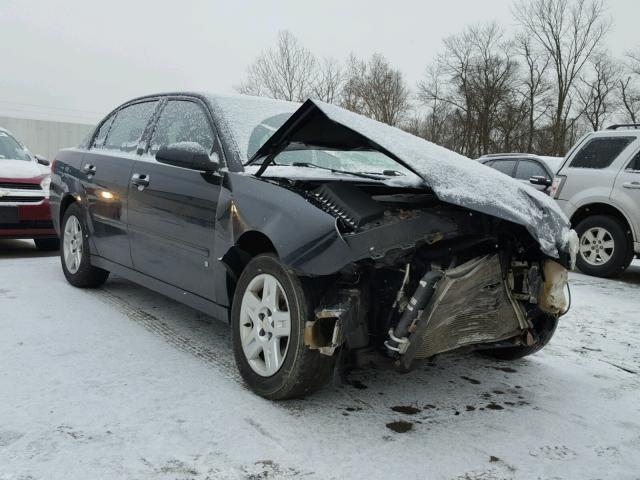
x,y
479,303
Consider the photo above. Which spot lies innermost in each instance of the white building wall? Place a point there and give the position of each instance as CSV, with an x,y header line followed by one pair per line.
x,y
45,137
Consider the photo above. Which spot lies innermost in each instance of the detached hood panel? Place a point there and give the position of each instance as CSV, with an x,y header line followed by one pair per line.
x,y
452,177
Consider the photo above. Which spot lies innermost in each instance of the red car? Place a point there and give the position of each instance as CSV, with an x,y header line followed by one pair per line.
x,y
24,194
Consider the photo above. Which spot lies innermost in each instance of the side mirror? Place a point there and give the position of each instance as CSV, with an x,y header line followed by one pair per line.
x,y
541,181
189,155
42,160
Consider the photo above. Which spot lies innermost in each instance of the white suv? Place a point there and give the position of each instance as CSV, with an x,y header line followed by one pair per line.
x,y
598,187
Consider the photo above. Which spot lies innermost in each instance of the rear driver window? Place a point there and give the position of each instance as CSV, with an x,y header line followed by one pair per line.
x,y
129,125
634,165
182,121
600,152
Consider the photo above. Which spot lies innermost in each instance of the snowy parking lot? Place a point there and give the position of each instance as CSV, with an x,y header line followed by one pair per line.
x,y
121,382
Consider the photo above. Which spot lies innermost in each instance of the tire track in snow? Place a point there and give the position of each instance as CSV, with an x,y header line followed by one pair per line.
x,y
223,363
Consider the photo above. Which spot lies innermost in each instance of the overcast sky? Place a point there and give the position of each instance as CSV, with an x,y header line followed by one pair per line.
x,y
77,59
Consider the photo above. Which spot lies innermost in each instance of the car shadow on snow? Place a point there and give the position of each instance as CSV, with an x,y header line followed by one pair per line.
x,y
447,387
22,249
631,274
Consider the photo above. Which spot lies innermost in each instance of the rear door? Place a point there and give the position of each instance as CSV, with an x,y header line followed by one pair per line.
x,y
105,172
172,217
626,192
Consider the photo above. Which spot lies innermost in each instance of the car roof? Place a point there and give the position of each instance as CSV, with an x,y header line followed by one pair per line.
x,y
620,132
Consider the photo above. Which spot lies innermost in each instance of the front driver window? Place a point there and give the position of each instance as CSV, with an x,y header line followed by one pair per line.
x,y
182,121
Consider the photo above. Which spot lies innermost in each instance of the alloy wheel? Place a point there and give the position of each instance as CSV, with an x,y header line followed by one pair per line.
x,y
265,324
72,244
596,246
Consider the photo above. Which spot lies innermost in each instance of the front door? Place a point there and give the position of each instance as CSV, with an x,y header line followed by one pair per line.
x,y
626,191
172,211
106,170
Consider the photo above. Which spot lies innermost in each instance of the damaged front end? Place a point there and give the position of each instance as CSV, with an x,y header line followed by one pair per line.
x,y
451,256
427,278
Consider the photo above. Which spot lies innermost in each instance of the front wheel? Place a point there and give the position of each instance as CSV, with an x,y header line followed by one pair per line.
x,y
75,257
270,308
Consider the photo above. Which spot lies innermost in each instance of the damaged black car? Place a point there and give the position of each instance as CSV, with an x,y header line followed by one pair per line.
x,y
320,235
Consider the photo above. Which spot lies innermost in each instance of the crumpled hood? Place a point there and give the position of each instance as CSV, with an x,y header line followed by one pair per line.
x,y
454,178
19,169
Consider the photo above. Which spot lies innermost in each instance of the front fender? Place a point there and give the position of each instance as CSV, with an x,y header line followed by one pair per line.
x,y
305,238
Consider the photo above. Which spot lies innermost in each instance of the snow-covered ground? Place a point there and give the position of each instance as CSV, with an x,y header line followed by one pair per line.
x,y
122,383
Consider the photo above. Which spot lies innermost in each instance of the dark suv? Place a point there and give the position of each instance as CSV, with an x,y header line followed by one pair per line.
x,y
313,230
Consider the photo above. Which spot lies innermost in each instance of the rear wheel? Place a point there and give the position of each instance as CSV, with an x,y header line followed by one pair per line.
x,y
605,248
268,315
74,255
47,244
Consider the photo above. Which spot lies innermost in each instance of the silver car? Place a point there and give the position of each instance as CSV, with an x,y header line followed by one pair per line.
x,y
598,188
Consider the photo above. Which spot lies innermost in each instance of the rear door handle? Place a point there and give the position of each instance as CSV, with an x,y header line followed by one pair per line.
x,y
631,184
89,169
141,180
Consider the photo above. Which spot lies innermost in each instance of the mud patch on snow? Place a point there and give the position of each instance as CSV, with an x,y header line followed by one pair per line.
x,y
400,426
406,409
471,380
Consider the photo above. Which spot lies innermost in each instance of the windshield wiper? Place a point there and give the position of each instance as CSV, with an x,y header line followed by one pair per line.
x,y
373,176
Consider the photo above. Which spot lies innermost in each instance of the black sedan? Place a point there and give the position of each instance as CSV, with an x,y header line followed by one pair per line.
x,y
314,231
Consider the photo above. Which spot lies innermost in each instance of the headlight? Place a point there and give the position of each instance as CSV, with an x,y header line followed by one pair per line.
x,y
45,184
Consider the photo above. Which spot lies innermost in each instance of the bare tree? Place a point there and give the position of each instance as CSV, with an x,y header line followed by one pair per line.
x,y
535,88
375,89
286,72
595,94
329,81
435,124
630,88
569,31
475,77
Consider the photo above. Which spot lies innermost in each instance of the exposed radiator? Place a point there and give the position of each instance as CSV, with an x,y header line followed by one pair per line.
x,y
471,305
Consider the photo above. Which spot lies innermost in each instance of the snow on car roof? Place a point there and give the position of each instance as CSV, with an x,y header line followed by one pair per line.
x,y
241,115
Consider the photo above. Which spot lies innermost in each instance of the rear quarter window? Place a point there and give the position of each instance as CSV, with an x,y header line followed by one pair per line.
x,y
600,152
98,141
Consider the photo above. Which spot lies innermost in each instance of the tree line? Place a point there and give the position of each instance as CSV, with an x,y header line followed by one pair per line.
x,y
537,89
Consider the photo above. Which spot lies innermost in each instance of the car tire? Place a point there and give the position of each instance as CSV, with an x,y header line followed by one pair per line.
x,y
267,293
47,244
544,326
75,253
605,249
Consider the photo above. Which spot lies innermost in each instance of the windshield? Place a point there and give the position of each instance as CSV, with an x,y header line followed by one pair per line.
x,y
360,161
10,149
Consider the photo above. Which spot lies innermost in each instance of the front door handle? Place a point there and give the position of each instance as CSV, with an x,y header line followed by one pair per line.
x,y
631,184
141,180
89,169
